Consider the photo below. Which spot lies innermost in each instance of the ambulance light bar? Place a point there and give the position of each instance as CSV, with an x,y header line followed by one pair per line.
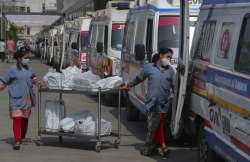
x,y
120,5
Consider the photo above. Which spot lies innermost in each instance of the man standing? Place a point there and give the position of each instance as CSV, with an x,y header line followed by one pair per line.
x,y
161,79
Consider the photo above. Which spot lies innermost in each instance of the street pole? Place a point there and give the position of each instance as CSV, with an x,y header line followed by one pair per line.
x,y
1,19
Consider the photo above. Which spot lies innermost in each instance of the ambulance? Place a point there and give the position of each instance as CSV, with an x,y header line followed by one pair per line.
x,y
153,25
51,46
107,27
84,24
217,93
58,47
65,58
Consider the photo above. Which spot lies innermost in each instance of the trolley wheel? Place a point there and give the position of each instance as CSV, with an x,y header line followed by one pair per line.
x,y
60,138
98,146
116,143
38,141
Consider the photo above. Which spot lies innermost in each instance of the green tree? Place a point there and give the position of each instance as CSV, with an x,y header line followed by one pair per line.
x,y
13,33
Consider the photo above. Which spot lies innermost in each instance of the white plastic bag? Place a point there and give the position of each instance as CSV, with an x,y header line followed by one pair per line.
x,y
53,80
85,80
109,83
106,127
69,75
85,126
68,123
54,112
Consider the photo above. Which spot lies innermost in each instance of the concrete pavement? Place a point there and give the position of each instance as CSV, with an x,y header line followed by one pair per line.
x,y
78,150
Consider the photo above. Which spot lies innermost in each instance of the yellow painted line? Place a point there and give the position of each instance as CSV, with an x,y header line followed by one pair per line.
x,y
228,105
199,91
231,106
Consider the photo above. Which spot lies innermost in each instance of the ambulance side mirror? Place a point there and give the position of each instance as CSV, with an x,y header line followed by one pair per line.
x,y
99,47
140,52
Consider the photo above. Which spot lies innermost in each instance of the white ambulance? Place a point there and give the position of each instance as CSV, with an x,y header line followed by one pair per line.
x,y
65,58
58,47
217,107
107,28
84,24
153,25
51,47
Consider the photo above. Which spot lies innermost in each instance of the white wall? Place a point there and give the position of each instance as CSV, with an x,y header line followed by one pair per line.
x,y
35,5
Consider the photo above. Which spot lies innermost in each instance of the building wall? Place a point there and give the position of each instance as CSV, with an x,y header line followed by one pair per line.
x,y
35,5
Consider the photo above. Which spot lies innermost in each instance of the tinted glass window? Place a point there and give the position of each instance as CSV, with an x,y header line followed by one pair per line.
x,y
168,34
206,40
242,63
117,36
140,32
93,35
84,40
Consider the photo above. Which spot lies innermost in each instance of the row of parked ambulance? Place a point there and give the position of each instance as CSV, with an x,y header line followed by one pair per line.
x,y
214,84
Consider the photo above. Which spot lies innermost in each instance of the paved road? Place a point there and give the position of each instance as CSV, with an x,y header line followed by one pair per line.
x,y
78,150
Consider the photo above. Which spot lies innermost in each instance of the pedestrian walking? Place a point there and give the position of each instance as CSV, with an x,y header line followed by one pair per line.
x,y
161,79
10,49
20,79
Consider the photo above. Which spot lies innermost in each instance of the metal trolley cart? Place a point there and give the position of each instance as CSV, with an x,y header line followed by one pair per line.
x,y
82,91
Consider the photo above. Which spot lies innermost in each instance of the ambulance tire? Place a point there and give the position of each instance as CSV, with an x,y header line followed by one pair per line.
x,y
132,113
205,153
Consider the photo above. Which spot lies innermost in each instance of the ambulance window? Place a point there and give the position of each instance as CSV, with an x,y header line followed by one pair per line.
x,y
140,32
168,33
106,36
117,36
93,35
84,39
129,37
149,39
100,37
206,40
242,63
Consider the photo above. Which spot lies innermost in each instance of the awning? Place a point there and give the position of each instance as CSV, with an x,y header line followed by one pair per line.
x,y
32,19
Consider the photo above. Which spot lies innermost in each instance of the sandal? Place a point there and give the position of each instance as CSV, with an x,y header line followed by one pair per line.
x,y
163,151
17,146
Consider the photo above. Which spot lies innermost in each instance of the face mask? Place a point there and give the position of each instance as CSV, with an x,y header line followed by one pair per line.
x,y
25,61
165,62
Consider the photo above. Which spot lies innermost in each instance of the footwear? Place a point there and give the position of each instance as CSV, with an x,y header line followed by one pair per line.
x,y
163,151
16,147
147,150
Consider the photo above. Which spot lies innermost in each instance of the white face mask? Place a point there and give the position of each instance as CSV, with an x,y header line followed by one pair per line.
x,y
25,61
165,62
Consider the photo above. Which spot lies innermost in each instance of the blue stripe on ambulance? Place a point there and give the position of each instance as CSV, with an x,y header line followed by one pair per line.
x,y
168,10
207,2
236,84
223,147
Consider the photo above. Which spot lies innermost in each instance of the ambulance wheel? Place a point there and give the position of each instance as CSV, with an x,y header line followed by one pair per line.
x,y
98,146
132,113
205,153
116,143
60,139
